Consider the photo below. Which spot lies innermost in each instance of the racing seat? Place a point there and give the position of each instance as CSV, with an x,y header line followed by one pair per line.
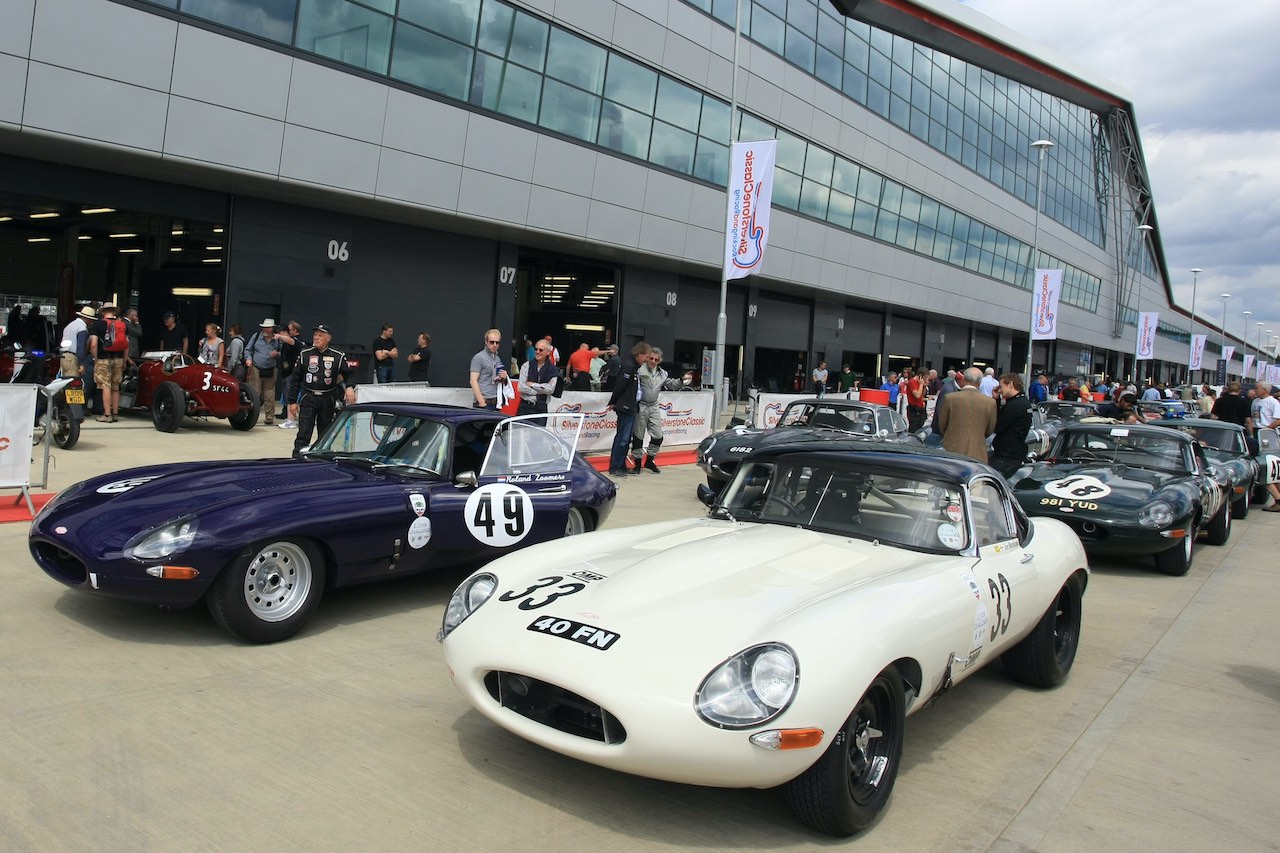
x,y
841,506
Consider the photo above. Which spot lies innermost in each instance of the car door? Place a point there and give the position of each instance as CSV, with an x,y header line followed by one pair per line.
x,y
1211,496
1005,570
522,492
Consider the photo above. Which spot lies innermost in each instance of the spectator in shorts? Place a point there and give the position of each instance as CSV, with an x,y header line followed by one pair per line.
x,y
108,367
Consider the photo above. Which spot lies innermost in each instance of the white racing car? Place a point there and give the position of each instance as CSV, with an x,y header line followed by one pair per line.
x,y
781,640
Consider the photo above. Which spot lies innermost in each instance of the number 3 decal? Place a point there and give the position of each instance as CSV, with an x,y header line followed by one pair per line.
x,y
499,514
1003,595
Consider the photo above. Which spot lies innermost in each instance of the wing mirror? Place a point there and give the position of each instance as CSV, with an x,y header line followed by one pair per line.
x,y
467,478
882,433
705,494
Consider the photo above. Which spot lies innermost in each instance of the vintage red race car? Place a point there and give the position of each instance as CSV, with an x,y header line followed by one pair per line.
x,y
172,386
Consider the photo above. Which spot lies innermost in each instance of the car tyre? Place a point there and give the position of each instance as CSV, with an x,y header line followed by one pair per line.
x,y
849,785
269,591
1176,561
578,522
1240,506
168,407
1219,529
1044,657
245,419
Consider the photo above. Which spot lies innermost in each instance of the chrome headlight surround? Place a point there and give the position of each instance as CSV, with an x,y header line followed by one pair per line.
x,y
1221,476
750,688
162,542
1156,514
466,599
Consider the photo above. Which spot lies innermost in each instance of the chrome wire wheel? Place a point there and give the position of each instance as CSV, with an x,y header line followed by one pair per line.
x,y
277,581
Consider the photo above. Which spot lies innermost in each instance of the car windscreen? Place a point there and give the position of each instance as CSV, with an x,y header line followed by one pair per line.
x,y
818,416
386,438
1217,438
1122,445
888,507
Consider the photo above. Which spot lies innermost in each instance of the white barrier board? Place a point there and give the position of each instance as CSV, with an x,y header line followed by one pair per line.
x,y
686,415
17,429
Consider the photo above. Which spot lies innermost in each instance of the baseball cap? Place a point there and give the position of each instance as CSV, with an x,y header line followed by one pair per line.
x,y
322,327
611,348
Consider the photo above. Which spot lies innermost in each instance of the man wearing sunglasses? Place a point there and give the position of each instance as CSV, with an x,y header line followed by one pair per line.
x,y
487,370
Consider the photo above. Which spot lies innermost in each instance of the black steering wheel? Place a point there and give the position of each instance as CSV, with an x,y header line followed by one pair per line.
x,y
791,509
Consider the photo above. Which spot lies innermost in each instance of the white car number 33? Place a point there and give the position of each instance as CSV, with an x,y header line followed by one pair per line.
x,y
499,514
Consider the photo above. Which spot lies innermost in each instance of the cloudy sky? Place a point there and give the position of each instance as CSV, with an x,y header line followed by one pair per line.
x,y
1205,85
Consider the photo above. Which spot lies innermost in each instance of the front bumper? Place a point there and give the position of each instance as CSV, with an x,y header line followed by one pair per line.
x,y
121,578
596,714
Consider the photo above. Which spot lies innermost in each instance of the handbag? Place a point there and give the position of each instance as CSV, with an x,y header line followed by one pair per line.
x,y
558,391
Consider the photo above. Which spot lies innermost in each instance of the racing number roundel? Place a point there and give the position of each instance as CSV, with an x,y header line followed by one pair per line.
x,y
499,514
1082,487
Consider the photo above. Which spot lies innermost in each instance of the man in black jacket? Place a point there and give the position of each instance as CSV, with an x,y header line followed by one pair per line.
x,y
1013,422
320,379
625,402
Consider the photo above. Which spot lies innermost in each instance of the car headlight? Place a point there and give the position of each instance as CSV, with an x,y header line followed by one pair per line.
x,y
1222,477
467,598
163,541
1156,514
750,688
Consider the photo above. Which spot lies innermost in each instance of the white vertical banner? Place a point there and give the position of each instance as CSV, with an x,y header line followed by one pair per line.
x,y
1227,352
1262,370
1273,374
1044,305
17,420
1146,344
1248,362
1196,362
747,216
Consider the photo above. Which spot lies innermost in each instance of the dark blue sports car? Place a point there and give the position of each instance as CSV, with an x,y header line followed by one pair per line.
x,y
390,489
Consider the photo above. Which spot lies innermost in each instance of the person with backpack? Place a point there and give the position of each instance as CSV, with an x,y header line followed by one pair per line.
x,y
108,343
235,353
261,355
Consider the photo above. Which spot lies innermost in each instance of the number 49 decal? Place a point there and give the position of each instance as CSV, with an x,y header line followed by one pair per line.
x,y
499,514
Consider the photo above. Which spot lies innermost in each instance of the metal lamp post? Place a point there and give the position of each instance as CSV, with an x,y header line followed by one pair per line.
x,y
1041,145
1195,278
1222,351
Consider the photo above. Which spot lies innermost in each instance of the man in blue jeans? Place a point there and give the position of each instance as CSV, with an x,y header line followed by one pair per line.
x,y
625,402
385,353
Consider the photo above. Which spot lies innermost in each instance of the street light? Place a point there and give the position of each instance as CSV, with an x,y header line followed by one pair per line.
x,y
1195,278
1222,352
1258,346
1041,145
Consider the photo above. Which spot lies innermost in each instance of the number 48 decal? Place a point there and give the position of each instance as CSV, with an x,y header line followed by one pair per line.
x,y
499,514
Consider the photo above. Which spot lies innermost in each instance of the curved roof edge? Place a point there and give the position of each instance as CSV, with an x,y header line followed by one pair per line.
x,y
959,31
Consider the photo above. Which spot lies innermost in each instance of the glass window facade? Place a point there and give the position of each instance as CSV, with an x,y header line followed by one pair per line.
x,y
495,56
980,119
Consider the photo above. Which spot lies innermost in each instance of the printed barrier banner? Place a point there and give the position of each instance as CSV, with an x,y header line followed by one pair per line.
x,y
1044,305
686,415
17,420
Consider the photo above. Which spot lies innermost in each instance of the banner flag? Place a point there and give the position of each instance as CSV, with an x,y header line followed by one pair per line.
x,y
1262,370
1197,352
1227,352
1146,348
1044,305
747,213
1248,362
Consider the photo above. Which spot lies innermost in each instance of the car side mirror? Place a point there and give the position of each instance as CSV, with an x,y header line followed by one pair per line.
x,y
467,478
706,495
882,433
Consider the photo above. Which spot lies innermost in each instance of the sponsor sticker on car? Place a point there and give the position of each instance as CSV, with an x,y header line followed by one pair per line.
x,y
578,632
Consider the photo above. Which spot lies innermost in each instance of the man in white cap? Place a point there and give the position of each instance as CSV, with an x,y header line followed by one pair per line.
x,y
320,381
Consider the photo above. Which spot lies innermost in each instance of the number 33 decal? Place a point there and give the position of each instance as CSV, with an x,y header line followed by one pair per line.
x,y
1004,604
532,602
499,514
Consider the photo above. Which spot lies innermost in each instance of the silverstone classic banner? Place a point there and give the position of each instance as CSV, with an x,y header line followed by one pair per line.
x,y
1044,305
686,415
747,215
1146,344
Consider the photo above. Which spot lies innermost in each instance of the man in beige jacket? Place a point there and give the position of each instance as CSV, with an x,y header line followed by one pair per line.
x,y
967,418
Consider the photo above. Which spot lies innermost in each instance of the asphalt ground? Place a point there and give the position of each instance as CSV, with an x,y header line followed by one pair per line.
x,y
131,728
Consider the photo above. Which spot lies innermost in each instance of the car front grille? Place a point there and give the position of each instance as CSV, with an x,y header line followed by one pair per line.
x,y
61,564
1087,530
554,706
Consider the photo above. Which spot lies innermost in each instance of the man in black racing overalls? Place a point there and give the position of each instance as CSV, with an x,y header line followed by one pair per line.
x,y
318,378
